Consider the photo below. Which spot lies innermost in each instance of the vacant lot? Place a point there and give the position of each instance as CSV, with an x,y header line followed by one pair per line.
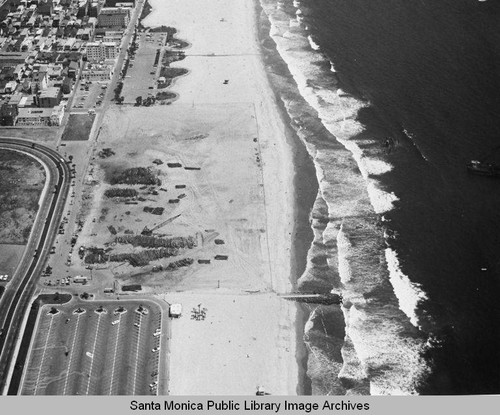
x,y
45,135
91,348
193,152
78,128
20,188
10,255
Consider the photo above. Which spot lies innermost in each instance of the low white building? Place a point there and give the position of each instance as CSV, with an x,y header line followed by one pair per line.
x,y
57,115
10,87
94,72
40,116
80,279
33,116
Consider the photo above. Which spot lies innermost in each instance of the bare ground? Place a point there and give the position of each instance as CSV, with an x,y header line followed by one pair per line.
x,y
219,201
20,189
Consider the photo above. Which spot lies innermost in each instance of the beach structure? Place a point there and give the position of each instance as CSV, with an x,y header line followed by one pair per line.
x,y
314,298
175,310
80,279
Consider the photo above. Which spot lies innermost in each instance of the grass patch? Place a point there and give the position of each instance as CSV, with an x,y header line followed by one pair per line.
x,y
78,128
171,73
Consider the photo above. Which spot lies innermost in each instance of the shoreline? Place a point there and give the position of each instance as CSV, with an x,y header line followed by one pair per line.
x,y
305,190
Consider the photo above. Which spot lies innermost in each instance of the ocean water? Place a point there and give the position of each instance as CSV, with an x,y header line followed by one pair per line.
x,y
391,99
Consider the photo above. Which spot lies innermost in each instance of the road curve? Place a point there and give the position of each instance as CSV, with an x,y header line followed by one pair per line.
x,y
16,299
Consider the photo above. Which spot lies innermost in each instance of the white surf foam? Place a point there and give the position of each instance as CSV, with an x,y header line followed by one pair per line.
x,y
374,330
395,363
332,67
313,44
329,105
343,246
408,293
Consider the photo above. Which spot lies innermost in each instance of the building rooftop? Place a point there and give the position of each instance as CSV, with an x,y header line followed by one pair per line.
x,y
34,112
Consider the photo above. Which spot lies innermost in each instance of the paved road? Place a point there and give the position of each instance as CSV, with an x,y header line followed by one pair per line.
x,y
16,300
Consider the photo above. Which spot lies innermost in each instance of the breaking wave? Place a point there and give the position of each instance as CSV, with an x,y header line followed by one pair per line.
x,y
409,294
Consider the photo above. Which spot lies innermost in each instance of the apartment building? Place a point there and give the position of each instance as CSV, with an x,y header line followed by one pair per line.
x,y
98,51
113,17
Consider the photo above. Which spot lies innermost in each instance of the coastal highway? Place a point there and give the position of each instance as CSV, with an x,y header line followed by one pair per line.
x,y
17,297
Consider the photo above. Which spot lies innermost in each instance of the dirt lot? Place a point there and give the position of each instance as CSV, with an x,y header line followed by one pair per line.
x,y
10,255
218,205
88,348
78,128
20,188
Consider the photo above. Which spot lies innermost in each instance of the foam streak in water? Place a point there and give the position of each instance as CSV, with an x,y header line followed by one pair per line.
x,y
409,294
343,246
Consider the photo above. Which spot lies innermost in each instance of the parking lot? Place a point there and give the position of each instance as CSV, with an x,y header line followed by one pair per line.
x,y
142,74
89,95
95,348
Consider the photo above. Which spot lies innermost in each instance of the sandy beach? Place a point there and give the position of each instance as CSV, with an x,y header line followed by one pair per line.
x,y
227,123
247,339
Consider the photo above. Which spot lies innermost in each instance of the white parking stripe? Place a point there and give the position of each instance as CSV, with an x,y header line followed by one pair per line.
x,y
43,354
114,356
71,354
93,351
137,354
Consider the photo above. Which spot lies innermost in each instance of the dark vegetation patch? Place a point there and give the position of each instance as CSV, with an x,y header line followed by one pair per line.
x,y
96,255
134,175
169,74
186,262
170,31
140,259
105,153
120,192
161,248
164,95
154,242
132,287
